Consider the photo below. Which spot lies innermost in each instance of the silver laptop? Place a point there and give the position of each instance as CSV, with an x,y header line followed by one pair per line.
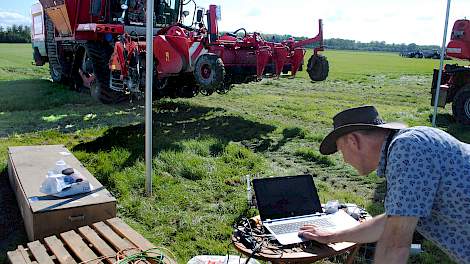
x,y
287,203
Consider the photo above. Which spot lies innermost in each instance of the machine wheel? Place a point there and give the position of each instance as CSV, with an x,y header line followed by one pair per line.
x,y
461,106
318,68
209,73
82,70
55,68
99,55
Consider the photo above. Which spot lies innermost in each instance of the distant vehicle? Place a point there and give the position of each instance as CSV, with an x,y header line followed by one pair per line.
x,y
418,54
431,54
411,54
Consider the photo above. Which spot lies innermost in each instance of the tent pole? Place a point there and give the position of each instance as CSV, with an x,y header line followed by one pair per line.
x,y
441,64
148,98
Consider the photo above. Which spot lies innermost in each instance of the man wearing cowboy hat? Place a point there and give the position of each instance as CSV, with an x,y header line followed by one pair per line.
x,y
428,185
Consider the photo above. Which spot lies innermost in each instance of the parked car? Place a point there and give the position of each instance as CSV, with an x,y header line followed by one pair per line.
x,y
431,54
411,54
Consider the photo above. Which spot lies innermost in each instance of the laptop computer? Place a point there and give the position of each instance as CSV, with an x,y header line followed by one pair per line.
x,y
287,203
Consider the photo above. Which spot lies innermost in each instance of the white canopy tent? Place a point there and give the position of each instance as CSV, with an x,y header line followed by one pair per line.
x,y
441,64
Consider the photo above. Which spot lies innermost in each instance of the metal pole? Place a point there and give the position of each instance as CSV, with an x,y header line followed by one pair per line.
x,y
441,64
148,98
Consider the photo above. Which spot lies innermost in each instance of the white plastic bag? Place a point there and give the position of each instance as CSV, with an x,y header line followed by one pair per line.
x,y
60,185
54,183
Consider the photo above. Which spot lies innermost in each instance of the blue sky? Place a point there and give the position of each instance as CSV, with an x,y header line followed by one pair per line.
x,y
397,21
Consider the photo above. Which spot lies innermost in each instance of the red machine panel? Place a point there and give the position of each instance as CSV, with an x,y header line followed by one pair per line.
x,y
169,59
459,45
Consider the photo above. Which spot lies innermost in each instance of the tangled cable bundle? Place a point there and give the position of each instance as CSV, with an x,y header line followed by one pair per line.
x,y
155,255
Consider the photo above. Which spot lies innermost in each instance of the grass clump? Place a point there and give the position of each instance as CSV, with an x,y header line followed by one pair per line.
x,y
242,159
104,164
294,132
187,165
311,155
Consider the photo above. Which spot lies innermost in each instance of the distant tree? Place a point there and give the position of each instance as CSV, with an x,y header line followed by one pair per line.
x,y
15,34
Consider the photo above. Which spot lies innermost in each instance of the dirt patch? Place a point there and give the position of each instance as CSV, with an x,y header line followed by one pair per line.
x,y
12,232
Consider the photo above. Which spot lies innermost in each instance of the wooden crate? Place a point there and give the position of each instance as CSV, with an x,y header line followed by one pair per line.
x,y
45,215
97,243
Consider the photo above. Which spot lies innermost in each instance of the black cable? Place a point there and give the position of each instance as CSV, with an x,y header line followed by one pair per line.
x,y
255,250
249,224
256,239
228,253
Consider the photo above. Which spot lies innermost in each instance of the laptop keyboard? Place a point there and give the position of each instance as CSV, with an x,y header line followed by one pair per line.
x,y
295,227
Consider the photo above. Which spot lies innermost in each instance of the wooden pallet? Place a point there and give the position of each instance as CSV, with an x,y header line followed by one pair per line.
x,y
100,242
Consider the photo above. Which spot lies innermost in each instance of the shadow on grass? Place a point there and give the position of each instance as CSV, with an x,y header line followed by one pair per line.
x,y
288,134
448,122
12,232
268,144
176,122
38,105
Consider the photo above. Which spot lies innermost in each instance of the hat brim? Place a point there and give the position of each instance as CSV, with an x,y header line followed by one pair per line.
x,y
328,145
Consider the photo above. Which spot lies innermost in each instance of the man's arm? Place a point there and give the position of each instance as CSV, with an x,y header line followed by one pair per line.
x,y
369,231
394,244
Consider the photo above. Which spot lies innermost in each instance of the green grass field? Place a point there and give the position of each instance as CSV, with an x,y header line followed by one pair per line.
x,y
204,146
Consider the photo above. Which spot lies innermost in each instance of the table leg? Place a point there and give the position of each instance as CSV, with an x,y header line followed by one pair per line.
x,y
353,254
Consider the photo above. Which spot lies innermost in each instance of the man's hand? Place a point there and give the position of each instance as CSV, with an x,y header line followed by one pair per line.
x,y
368,231
311,232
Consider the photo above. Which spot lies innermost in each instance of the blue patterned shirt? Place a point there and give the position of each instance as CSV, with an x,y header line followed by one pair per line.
x,y
428,176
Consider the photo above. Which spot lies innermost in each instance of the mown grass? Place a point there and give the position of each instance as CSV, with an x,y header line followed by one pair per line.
x,y
204,146
16,63
358,66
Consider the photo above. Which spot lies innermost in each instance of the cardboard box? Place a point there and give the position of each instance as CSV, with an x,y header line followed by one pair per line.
x,y
46,215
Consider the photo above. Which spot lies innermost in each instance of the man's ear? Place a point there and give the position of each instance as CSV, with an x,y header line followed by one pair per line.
x,y
355,141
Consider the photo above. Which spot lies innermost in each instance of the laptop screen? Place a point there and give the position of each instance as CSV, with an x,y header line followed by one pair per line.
x,y
281,197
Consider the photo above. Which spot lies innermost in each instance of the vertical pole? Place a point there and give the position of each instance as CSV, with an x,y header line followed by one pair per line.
x,y
441,64
148,98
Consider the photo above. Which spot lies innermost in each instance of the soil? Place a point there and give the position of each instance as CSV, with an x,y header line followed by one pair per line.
x,y
12,232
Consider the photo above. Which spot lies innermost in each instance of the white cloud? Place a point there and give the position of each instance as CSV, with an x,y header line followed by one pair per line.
x,y
254,12
9,18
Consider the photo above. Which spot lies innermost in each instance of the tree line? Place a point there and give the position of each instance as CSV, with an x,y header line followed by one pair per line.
x,y
341,44
347,44
15,34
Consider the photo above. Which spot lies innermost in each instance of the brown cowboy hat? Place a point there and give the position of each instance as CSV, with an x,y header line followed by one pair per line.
x,y
349,120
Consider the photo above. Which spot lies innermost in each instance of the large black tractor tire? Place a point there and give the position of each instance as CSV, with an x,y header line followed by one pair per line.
x,y
209,72
99,53
318,68
55,68
461,106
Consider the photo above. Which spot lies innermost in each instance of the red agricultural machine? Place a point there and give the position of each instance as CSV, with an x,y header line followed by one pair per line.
x,y
455,82
100,45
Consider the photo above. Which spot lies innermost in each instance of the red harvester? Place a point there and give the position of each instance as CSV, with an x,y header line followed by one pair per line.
x,y
455,82
100,45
